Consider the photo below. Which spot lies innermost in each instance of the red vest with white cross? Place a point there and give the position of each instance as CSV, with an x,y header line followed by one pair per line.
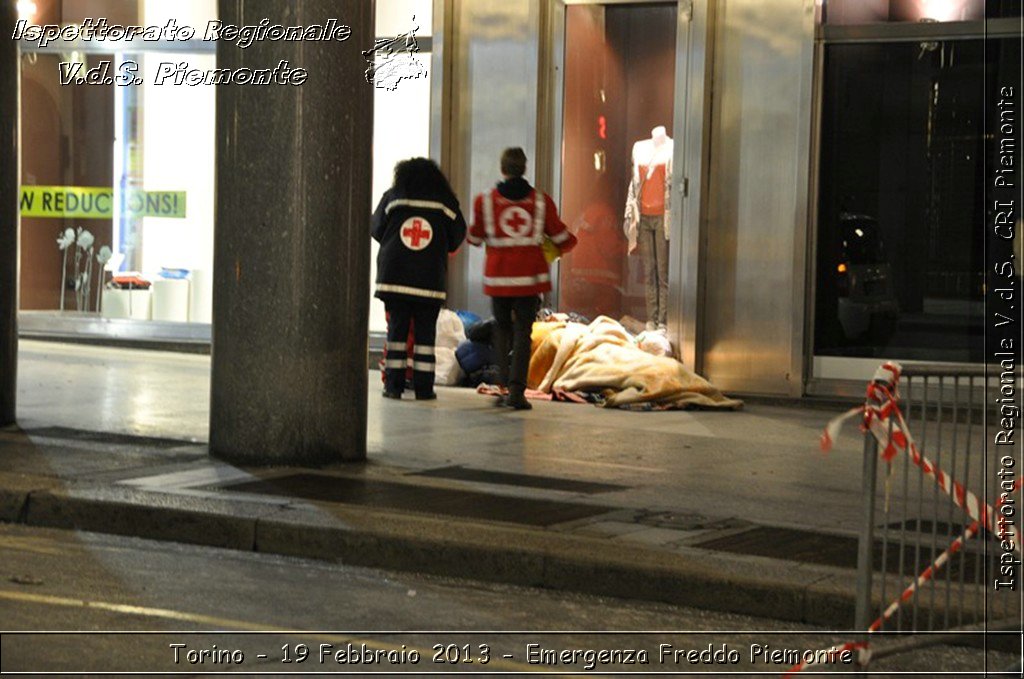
x,y
514,231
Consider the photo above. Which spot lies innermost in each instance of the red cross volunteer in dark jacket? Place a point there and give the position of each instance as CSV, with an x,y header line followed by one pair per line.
x,y
417,223
513,219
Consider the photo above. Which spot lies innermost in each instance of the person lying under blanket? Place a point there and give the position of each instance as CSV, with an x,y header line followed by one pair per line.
x,y
602,357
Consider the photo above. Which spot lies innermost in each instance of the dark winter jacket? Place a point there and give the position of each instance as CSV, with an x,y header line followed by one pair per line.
x,y
416,235
515,188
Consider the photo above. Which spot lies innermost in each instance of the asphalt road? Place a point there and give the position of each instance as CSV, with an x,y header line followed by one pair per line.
x,y
169,603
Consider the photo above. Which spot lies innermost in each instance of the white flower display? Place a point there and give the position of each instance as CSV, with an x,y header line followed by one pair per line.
x,y
103,256
85,239
85,243
66,240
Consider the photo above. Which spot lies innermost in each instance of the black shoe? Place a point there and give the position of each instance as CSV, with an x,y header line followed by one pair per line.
x,y
519,402
426,397
501,401
397,395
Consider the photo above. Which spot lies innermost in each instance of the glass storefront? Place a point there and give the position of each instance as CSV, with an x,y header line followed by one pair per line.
x,y
616,151
401,114
118,181
898,208
902,211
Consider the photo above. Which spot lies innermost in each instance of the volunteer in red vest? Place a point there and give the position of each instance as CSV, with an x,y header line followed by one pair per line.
x,y
417,223
513,220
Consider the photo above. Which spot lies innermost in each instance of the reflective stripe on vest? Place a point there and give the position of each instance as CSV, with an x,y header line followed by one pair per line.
x,y
516,281
427,204
489,217
409,290
538,217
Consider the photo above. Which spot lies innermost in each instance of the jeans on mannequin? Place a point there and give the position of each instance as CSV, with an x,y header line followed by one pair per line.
x,y
654,256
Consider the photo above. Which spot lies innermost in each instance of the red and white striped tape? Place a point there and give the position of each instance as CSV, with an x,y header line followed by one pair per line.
x,y
881,416
939,562
864,655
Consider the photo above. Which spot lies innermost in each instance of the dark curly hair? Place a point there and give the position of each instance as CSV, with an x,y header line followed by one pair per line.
x,y
421,177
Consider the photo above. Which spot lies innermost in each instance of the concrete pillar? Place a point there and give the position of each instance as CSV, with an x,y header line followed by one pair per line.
x,y
291,245
10,181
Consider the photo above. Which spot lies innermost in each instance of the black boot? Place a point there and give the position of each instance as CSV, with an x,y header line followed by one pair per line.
x,y
517,400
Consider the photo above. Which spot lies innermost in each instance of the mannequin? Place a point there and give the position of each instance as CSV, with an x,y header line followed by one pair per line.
x,y
647,219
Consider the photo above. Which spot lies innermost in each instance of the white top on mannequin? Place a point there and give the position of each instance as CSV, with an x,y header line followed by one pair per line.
x,y
654,151
649,156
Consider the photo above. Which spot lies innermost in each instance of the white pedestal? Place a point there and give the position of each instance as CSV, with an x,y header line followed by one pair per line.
x,y
134,304
201,307
170,300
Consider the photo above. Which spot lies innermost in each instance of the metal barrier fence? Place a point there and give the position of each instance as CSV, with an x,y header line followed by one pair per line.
x,y
909,521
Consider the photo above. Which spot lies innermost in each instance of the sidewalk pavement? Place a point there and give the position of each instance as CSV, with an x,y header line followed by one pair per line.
x,y
664,506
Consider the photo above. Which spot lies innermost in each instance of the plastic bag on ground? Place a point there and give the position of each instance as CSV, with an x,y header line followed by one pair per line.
x,y
448,373
450,333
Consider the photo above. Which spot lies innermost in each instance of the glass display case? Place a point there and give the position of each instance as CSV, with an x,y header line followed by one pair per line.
x,y
619,87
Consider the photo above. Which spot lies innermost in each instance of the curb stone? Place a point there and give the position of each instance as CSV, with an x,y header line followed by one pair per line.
x,y
365,537
15,491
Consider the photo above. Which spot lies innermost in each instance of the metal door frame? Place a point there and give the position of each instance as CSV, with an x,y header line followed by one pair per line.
x,y
687,249
834,375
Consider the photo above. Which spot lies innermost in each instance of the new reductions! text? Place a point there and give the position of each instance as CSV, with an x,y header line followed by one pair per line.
x,y
126,73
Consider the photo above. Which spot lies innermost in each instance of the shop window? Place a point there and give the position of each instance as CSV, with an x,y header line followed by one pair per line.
x,y
619,87
853,12
145,155
118,180
902,214
401,113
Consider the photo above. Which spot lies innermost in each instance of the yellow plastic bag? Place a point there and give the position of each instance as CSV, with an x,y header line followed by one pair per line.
x,y
551,251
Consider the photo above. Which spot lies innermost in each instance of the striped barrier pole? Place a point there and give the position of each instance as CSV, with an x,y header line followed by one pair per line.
x,y
939,562
882,390
923,578
881,405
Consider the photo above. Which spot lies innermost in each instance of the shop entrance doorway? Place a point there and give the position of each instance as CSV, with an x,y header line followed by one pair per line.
x,y
617,128
907,166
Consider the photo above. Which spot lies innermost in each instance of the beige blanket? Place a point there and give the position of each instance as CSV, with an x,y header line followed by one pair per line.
x,y
602,358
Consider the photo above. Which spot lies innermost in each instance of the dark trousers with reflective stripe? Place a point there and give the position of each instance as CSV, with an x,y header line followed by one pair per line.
x,y
514,317
423,317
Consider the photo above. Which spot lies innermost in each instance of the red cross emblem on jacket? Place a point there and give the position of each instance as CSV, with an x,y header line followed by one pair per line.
x,y
416,233
516,222
514,231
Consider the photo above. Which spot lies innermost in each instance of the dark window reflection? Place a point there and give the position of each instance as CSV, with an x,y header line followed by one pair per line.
x,y
882,11
902,213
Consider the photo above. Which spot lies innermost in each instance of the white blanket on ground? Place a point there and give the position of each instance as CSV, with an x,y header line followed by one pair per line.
x,y
602,357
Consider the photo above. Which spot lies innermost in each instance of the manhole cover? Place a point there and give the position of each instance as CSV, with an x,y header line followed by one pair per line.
x,y
449,502
70,434
460,473
927,527
689,522
792,544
